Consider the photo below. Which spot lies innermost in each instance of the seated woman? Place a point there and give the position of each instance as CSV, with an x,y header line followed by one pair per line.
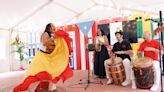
x,y
49,65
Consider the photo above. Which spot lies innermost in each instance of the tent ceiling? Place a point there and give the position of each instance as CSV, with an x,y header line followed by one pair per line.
x,y
35,14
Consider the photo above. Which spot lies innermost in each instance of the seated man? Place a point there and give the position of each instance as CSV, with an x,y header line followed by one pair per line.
x,y
122,49
150,48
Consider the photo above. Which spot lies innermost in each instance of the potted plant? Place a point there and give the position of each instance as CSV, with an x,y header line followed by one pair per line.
x,y
19,49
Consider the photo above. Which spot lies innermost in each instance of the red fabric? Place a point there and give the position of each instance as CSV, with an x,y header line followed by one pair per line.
x,y
74,28
94,29
64,76
61,33
86,52
78,48
42,76
43,84
31,79
151,54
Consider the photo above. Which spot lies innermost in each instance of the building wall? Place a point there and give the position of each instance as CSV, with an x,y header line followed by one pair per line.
x,y
4,51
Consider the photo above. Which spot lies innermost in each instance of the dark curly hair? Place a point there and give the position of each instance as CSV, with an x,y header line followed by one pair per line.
x,y
119,32
48,29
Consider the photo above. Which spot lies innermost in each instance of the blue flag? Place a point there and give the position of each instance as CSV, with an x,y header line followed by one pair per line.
x,y
85,27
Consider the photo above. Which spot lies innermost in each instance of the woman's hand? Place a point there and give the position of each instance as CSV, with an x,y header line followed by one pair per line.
x,y
100,42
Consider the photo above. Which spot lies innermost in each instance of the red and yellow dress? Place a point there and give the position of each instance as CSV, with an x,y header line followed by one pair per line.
x,y
49,67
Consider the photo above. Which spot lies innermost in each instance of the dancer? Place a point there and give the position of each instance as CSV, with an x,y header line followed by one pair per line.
x,y
49,65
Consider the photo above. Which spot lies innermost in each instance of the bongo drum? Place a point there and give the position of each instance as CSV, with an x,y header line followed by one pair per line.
x,y
116,70
143,71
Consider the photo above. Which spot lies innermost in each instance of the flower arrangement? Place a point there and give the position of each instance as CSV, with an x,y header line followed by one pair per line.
x,y
19,49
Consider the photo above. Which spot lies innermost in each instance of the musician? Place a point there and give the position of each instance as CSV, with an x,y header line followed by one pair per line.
x,y
123,50
150,47
49,65
101,54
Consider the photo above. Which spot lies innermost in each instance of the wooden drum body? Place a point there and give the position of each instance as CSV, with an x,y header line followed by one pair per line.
x,y
143,71
116,70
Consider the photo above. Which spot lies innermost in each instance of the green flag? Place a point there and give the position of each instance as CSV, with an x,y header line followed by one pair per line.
x,y
139,29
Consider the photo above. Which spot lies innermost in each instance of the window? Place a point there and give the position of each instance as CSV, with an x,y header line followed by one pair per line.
x,y
2,48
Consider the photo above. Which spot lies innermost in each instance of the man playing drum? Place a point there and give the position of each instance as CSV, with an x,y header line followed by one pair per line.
x,y
122,49
150,48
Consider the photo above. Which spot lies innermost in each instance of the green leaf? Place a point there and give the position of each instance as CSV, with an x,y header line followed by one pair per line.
x,y
19,48
21,57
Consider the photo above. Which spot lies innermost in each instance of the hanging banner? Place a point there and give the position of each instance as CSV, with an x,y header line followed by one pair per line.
x,y
85,27
139,29
130,31
116,26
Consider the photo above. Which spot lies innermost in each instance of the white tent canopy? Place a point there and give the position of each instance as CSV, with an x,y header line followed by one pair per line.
x,y
35,14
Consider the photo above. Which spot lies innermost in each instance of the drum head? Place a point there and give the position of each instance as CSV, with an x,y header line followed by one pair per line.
x,y
114,61
143,62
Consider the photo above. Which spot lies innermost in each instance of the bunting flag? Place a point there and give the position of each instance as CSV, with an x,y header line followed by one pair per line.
x,y
85,27
139,29
115,26
105,29
80,58
130,30
153,27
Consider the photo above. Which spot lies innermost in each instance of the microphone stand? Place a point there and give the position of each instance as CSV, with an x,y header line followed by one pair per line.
x,y
88,81
160,24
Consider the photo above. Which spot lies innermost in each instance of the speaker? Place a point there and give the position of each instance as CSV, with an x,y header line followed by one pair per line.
x,y
90,47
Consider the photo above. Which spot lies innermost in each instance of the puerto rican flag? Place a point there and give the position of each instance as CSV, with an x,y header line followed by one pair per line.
x,y
81,59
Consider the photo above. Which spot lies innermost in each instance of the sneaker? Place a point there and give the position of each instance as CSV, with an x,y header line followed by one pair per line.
x,y
109,81
126,83
134,85
154,88
52,87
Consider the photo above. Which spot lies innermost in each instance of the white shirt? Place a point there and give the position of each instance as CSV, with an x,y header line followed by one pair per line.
x,y
42,47
101,39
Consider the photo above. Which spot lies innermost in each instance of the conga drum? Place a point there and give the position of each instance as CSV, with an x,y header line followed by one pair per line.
x,y
116,70
143,71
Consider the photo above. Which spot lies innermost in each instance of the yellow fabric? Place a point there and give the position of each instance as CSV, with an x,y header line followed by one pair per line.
x,y
54,63
145,24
